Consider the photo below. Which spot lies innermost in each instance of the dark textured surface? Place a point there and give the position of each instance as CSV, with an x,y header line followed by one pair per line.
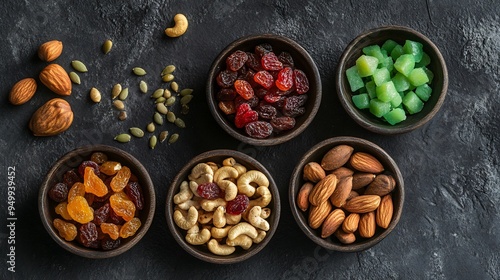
x,y
450,227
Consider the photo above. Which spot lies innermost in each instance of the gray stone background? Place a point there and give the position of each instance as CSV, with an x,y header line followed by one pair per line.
x,y
450,227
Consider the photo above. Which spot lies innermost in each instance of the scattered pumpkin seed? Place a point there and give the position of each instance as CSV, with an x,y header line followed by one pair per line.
x,y
186,99
139,71
168,78
74,78
160,99
161,108
95,95
179,123
174,86
123,138
170,101
157,93
116,91
79,66
186,91
171,116
151,127
163,136
123,94
157,118
137,132
167,93
185,109
173,138
122,115
143,87
106,46
119,105
152,141
169,69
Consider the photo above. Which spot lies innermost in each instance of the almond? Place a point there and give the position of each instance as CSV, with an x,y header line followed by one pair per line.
x,y
50,50
352,194
332,222
384,212
351,223
361,179
303,196
366,163
22,91
362,204
313,172
323,190
52,118
317,214
342,172
342,191
344,237
367,225
381,186
336,157
56,79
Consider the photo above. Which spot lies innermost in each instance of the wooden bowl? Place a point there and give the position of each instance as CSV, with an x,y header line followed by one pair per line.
x,y
201,251
378,36
72,160
315,154
302,61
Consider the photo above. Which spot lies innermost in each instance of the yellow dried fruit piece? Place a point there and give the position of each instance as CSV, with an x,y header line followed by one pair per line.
x,y
79,210
66,230
94,184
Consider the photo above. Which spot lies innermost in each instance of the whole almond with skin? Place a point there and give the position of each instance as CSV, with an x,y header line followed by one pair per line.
x,y
342,191
332,222
365,162
384,212
303,196
342,172
361,179
323,190
313,172
381,186
317,214
362,204
52,118
352,194
50,50
344,237
351,223
56,79
22,91
336,157
367,225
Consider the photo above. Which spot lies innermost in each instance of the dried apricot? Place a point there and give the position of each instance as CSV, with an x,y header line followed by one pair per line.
x,y
66,230
79,210
121,179
122,206
130,228
94,184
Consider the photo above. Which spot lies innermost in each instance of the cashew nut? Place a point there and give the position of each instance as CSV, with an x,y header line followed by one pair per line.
x,y
213,165
219,219
204,178
184,194
255,219
243,241
211,204
252,176
193,186
222,178
240,168
229,161
220,232
180,27
200,169
187,204
196,237
260,237
263,200
220,249
205,217
186,220
266,212
232,219
242,228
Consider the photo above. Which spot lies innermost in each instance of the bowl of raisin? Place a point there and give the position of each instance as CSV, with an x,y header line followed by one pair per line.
x,y
264,89
97,201
223,207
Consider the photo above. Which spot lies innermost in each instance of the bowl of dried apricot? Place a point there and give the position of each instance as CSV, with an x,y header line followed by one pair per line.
x,y
264,89
223,207
97,201
346,194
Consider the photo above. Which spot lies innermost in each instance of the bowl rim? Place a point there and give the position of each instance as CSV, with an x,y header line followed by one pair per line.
x,y
295,184
215,258
360,119
43,203
273,140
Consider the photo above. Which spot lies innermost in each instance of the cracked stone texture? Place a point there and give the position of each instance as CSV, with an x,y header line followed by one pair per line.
x,y
450,228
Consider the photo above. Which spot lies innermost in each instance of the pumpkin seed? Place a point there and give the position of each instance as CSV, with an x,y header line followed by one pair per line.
x,y
160,99
174,86
173,138
169,69
116,91
171,116
106,46
157,93
185,109
186,99
157,118
143,87
179,123
150,127
122,115
95,95
119,104
79,66
152,141
170,101
161,108
163,136
167,93
139,71
123,138
137,132
123,94
168,78
74,77
186,91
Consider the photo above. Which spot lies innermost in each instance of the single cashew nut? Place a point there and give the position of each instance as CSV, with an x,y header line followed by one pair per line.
x,y
240,168
193,186
220,249
210,205
184,194
219,219
200,169
263,200
204,178
187,204
229,161
255,219
196,237
181,25
188,220
222,178
242,228
220,232
205,217
260,237
266,212
213,165
233,219
243,241
252,176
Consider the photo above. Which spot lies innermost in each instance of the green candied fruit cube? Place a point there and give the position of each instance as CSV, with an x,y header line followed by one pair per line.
x,y
412,103
395,116
366,65
418,77
355,81
423,92
371,89
381,76
396,52
374,50
414,48
430,75
384,53
404,64
426,60
387,63
396,101
389,45
361,101
400,82
386,91
379,108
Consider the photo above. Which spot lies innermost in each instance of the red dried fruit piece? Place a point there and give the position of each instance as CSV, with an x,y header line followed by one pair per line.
x,y
270,61
244,89
259,129
209,191
110,168
59,192
121,179
267,112
99,157
263,49
253,62
94,184
284,81
122,205
114,218
283,123
260,93
110,244
244,115
236,60
110,229
264,79
70,178
253,101
130,228
286,59
134,193
301,81
237,205
81,168
294,112
87,234
227,107
293,102
226,78
79,210
66,230
101,215
226,94
272,96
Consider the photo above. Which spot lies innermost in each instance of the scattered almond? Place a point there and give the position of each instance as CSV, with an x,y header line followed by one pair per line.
x,y
22,91
56,79
50,50
51,118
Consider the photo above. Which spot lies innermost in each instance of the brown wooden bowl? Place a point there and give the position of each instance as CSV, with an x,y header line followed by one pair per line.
x,y
72,160
315,154
201,251
302,61
378,36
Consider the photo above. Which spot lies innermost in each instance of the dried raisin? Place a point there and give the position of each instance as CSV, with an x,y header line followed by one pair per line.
x,y
226,78
284,81
264,79
70,178
253,62
78,189
121,179
110,168
101,215
79,210
270,61
283,123
110,229
59,192
66,230
237,205
259,129
286,59
134,193
244,115
114,218
62,210
94,184
130,228
122,206
209,191
110,244
244,89
227,107
226,94
253,101
81,167
263,49
236,60
99,157
267,112
87,234
301,81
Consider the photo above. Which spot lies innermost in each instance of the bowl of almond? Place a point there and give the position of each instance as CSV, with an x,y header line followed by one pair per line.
x,y
346,194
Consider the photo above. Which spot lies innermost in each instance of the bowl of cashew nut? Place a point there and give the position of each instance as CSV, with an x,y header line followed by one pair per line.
x,y
223,207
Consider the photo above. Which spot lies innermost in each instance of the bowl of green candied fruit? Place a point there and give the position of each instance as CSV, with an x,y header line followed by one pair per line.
x,y
391,79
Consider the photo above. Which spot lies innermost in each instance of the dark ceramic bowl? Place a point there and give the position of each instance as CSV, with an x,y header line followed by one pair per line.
x,y
72,160
302,60
201,251
378,36
315,154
